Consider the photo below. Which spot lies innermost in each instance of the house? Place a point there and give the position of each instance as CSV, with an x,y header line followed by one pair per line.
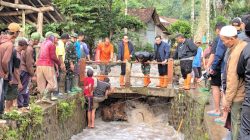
x,y
154,24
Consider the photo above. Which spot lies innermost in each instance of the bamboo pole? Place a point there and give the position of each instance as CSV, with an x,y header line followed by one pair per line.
x,y
23,21
25,7
40,23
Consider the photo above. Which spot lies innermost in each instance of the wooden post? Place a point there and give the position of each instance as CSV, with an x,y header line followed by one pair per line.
x,y
40,23
170,71
23,21
82,65
128,73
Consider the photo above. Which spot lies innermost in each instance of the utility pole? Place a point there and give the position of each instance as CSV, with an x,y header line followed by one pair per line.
x,y
126,13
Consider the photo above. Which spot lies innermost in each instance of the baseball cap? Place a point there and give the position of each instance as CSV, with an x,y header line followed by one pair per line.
x,y
14,27
74,35
65,36
35,36
48,34
228,31
236,22
56,35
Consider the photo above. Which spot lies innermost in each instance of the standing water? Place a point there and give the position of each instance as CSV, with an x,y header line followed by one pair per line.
x,y
144,122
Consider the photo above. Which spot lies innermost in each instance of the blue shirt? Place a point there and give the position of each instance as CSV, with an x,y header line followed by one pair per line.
x,y
81,49
218,63
197,58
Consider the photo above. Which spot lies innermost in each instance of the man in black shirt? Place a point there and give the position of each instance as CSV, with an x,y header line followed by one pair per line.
x,y
243,71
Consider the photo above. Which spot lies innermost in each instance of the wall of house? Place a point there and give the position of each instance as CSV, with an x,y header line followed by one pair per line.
x,y
160,32
151,32
148,35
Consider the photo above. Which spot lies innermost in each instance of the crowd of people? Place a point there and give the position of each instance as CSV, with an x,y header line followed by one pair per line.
x,y
225,61
227,65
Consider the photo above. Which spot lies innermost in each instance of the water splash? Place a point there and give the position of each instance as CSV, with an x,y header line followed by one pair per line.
x,y
144,123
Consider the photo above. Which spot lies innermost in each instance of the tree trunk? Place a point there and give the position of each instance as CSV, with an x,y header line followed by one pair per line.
x,y
202,24
208,19
214,5
192,16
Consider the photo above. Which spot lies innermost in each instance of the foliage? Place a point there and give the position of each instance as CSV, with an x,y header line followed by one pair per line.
x,y
11,135
181,27
65,109
82,99
148,48
33,118
97,18
170,8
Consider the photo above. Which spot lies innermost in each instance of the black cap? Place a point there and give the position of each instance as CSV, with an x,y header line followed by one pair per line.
x,y
236,21
65,36
80,34
22,42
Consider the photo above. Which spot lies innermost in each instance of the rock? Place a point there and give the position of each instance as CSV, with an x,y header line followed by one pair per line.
x,y
114,112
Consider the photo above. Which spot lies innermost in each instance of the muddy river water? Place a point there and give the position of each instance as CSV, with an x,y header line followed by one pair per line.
x,y
143,123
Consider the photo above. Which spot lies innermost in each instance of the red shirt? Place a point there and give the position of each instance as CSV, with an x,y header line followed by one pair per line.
x,y
47,55
88,86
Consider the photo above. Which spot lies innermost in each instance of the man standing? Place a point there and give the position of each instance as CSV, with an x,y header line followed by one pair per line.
x,y
125,53
214,67
27,70
46,75
6,50
185,52
197,64
70,62
82,52
243,71
60,48
106,51
15,84
162,53
82,49
235,90
60,52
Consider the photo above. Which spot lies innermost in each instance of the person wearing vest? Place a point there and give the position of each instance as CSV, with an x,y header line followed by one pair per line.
x,y
143,57
185,52
235,89
6,50
125,53
162,53
106,52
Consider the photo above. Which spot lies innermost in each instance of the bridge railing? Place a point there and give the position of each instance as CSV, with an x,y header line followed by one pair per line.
x,y
83,63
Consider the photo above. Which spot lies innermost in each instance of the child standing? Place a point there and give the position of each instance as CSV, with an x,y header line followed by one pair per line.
x,y
88,93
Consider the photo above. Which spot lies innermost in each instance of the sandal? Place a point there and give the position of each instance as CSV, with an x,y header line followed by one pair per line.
x,y
213,113
220,121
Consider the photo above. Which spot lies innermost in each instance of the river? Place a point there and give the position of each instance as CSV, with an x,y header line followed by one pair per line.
x,y
144,123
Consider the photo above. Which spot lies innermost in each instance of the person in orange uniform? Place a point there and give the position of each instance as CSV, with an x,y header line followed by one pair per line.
x,y
106,52
125,53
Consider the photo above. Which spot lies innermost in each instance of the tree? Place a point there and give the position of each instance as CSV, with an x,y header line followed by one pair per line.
x,y
96,18
181,27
